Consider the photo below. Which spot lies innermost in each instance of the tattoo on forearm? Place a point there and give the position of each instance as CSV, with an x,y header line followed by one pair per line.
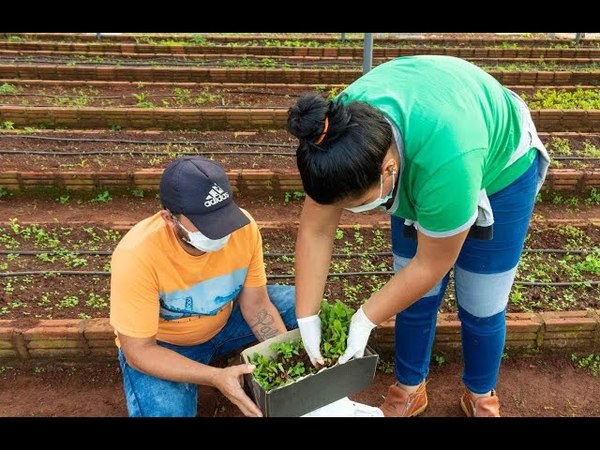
x,y
263,325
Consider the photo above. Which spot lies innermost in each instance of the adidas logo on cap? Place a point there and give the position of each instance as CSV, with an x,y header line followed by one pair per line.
x,y
215,195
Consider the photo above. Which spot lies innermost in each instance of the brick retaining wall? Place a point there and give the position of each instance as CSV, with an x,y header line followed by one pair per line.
x,y
526,332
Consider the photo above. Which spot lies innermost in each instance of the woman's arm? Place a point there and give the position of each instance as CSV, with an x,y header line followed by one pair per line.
x,y
314,246
434,258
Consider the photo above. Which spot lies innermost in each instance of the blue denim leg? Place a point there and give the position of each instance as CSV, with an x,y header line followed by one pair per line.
x,y
415,326
148,396
484,274
482,343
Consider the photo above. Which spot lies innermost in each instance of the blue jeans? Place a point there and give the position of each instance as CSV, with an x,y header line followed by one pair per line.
x,y
483,275
148,396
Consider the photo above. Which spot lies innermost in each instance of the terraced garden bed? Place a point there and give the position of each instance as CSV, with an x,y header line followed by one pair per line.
x,y
295,57
122,208
289,47
64,269
152,95
266,72
263,159
69,59
67,197
305,39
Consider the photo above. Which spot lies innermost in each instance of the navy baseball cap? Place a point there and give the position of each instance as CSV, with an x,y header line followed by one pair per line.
x,y
199,189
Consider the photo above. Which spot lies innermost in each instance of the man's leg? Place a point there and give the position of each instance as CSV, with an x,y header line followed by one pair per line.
x,y
148,396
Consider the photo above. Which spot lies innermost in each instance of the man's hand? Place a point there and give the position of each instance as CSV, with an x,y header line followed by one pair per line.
x,y
228,382
310,330
358,336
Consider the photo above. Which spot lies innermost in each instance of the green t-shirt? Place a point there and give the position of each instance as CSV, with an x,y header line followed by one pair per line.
x,y
459,128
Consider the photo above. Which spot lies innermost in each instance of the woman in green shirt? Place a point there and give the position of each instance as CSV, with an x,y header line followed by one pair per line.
x,y
455,159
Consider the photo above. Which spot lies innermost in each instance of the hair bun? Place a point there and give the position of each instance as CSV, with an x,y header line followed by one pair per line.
x,y
306,117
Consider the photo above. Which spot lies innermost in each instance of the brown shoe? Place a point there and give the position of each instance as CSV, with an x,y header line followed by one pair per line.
x,y
480,407
400,403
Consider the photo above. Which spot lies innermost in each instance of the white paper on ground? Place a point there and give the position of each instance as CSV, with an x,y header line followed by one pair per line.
x,y
345,407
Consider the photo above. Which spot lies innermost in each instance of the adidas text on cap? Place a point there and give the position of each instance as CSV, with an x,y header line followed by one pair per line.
x,y
199,189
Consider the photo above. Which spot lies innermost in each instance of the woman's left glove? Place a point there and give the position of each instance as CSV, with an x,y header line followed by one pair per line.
x,y
358,336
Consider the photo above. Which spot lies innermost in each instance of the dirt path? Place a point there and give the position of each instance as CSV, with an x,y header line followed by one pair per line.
x,y
527,387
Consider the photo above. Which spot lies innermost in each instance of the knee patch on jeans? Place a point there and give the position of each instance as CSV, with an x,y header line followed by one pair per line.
x,y
483,295
400,262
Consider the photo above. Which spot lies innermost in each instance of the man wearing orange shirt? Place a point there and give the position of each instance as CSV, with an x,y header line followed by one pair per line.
x,y
188,285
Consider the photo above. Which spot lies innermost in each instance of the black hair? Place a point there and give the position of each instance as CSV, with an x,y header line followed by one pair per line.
x,y
348,159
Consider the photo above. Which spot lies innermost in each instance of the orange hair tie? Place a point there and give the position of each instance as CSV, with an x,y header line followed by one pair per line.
x,y
325,128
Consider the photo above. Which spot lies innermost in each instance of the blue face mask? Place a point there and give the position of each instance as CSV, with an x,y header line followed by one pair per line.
x,y
379,200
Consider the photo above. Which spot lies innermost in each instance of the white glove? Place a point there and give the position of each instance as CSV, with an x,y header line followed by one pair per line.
x,y
310,330
358,336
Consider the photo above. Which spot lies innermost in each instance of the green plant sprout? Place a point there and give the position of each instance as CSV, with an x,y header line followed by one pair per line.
x,y
8,89
590,362
291,362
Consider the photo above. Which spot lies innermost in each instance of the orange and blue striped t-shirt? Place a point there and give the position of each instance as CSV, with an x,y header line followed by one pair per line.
x,y
157,288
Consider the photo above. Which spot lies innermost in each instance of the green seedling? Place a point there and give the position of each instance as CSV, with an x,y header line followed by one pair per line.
x,y
4,192
103,197
590,362
63,199
142,100
8,89
291,361
335,321
198,39
293,196
593,198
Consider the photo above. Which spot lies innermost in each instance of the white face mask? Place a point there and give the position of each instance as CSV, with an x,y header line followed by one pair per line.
x,y
379,200
203,243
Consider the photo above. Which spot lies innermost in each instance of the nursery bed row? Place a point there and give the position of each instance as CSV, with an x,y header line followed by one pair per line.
x,y
272,59
261,149
142,61
300,39
125,208
56,271
242,180
574,139
25,86
224,118
168,95
514,74
382,49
